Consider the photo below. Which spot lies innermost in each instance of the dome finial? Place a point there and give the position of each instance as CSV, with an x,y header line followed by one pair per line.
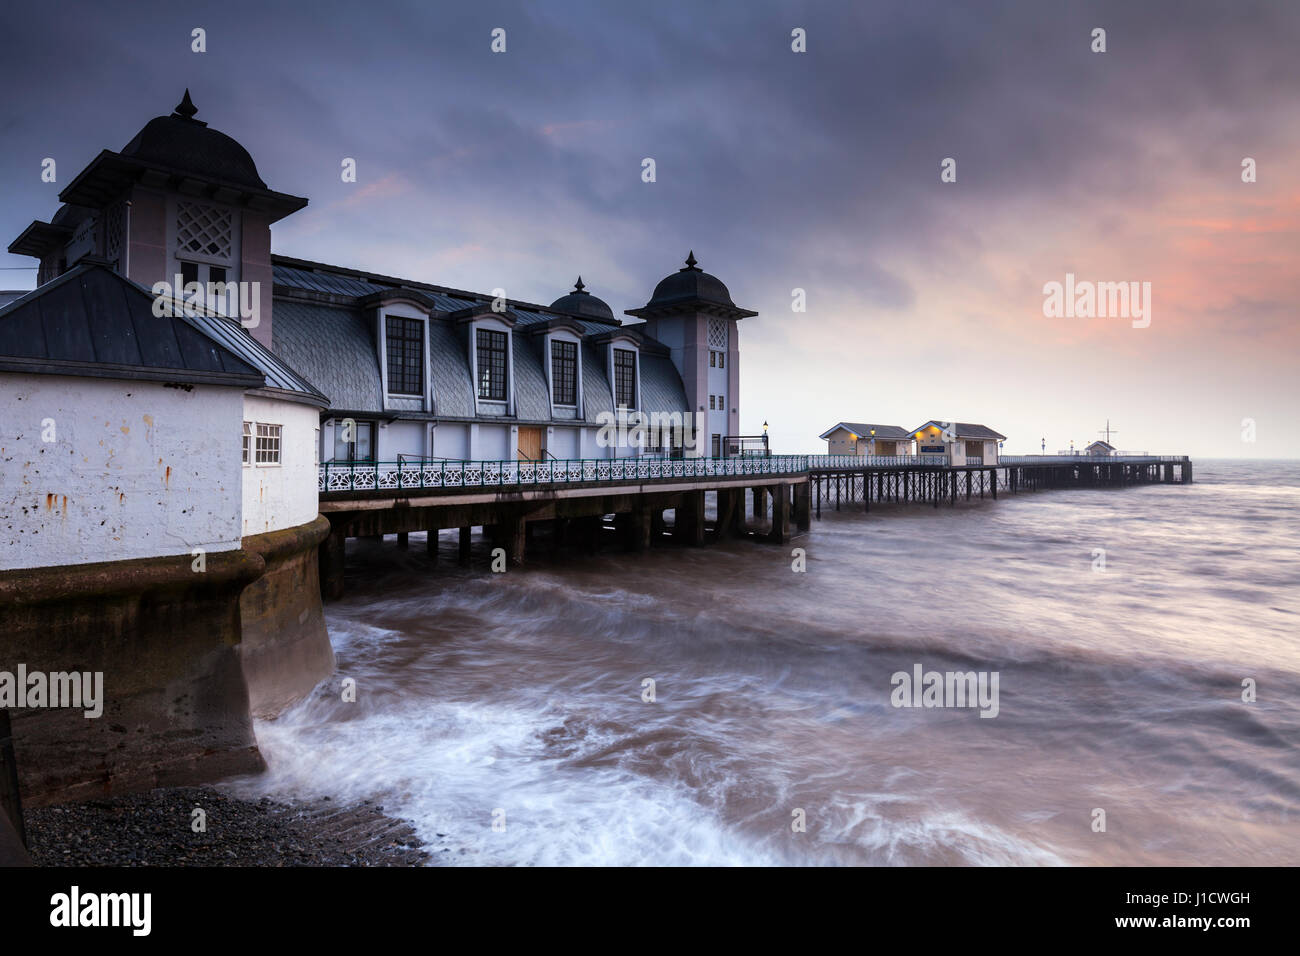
x,y
690,262
578,286
186,109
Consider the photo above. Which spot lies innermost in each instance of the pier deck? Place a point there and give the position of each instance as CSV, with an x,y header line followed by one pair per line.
x,y
509,499
930,479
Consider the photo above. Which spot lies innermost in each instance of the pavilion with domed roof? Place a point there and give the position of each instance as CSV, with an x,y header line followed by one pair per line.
x,y
412,370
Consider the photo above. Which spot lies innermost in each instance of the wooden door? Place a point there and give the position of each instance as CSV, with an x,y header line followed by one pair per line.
x,y
530,444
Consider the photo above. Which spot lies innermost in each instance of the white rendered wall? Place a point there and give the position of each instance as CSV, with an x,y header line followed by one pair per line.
x,y
284,495
563,442
451,440
135,470
400,438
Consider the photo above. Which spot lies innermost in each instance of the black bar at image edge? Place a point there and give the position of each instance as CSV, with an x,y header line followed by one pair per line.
x,y
330,905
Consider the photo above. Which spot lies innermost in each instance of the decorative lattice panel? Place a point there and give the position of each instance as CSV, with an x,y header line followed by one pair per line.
x,y
203,230
718,334
114,233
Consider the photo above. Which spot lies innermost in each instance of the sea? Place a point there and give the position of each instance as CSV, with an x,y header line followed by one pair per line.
x,y
744,703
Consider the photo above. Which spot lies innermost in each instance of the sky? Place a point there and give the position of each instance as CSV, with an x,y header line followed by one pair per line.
x,y
817,171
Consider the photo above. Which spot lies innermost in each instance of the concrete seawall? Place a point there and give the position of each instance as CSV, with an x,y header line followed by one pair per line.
x,y
285,650
175,703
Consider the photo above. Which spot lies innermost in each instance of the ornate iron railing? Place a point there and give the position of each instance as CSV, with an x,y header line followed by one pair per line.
x,y
825,462
1088,459
384,476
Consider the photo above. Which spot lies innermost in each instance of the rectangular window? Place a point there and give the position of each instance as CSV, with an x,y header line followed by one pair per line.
x,y
353,441
268,444
564,372
722,405
405,339
717,446
625,378
189,273
491,348
713,360
712,403
722,359
248,439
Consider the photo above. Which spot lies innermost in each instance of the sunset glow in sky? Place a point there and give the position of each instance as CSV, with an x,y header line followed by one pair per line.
x,y
781,170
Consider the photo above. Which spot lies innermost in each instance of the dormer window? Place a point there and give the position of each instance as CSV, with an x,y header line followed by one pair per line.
x,y
490,346
625,378
564,372
405,338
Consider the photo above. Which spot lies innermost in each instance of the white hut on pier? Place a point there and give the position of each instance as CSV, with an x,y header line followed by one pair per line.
x,y
963,442
861,439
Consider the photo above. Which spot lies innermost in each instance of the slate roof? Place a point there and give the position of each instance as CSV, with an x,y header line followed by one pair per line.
x,y
691,288
661,386
279,376
333,348
863,430
322,328
965,430
189,144
91,321
453,383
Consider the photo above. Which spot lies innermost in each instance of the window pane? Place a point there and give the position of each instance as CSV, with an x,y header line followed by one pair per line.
x,y
268,444
564,372
625,378
491,347
405,339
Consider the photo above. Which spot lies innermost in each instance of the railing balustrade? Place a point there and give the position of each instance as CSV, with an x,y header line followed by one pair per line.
x,y
821,462
384,476
388,476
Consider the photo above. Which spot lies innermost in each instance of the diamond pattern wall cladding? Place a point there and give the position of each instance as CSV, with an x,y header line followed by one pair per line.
x,y
205,230
718,334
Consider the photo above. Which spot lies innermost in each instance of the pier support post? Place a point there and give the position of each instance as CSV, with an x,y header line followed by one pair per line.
x,y
462,554
635,528
780,532
431,545
331,565
803,506
688,528
993,482
587,531
760,502
516,532
403,540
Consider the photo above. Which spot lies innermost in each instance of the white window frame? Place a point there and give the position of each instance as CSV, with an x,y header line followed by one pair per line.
x,y
274,432
248,443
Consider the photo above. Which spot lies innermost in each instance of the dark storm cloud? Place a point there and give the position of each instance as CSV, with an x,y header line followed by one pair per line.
x,y
818,170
